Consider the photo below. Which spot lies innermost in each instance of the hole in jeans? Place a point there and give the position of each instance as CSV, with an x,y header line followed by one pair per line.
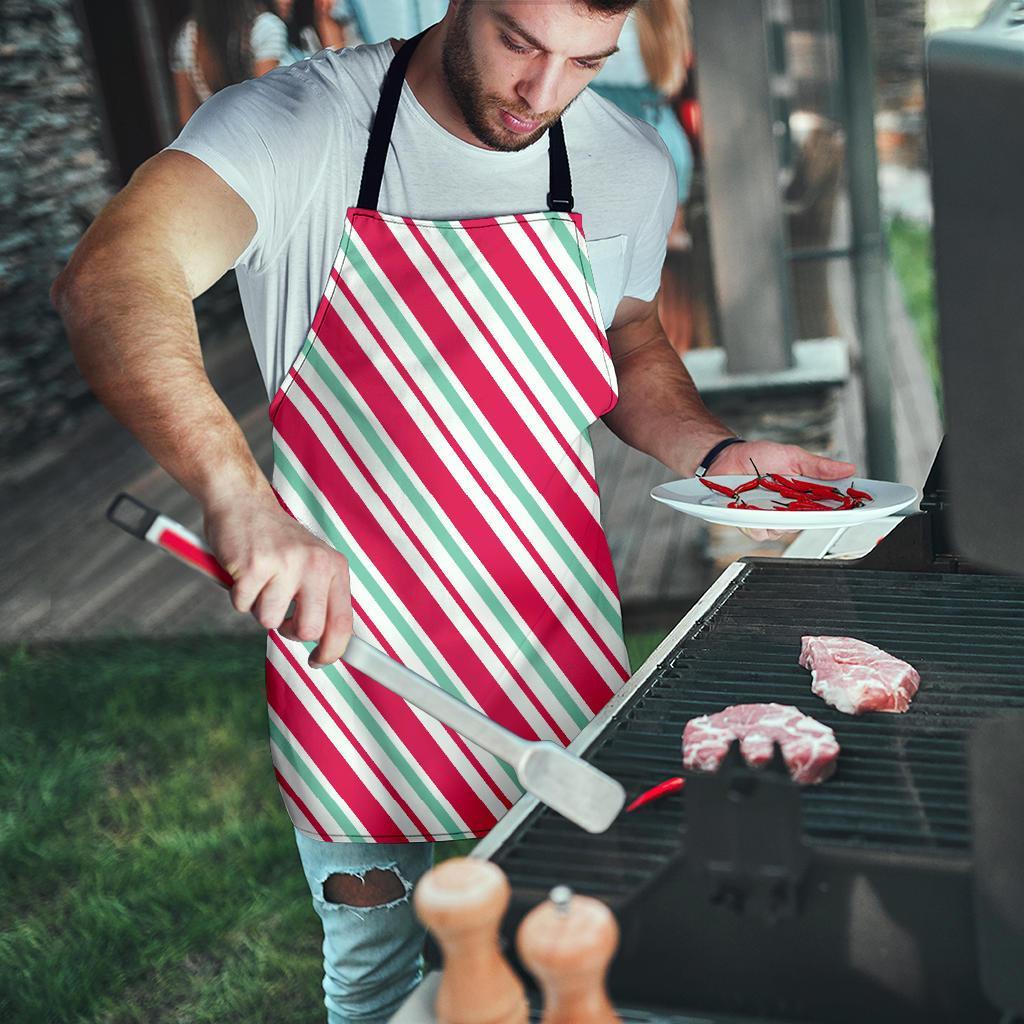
x,y
375,888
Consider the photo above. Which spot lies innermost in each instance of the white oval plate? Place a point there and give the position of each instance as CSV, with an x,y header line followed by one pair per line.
x,y
693,498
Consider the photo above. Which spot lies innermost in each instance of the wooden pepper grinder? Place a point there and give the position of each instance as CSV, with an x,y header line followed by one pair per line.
x,y
462,902
567,943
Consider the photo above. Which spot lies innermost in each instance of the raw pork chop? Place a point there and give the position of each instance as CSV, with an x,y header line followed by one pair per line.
x,y
808,747
855,677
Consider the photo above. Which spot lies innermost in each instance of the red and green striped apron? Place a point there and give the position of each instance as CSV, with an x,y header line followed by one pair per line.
x,y
434,429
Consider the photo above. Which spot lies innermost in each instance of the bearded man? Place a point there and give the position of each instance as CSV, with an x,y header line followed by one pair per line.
x,y
432,378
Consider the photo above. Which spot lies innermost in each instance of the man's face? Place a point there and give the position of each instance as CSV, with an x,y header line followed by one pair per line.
x,y
513,66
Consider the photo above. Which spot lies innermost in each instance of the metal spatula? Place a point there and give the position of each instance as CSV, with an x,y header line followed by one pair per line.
x,y
575,789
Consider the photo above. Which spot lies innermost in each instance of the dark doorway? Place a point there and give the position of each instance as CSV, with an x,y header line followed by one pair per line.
x,y
127,44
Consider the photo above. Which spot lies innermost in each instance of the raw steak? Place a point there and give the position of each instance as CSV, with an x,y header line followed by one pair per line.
x,y
808,747
855,677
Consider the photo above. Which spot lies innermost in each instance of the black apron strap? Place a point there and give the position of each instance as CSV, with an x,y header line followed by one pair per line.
x,y
383,123
559,186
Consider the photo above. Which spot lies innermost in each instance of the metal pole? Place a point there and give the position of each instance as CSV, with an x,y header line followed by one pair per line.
x,y
867,238
742,172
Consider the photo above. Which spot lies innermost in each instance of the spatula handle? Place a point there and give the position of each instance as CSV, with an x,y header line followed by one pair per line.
x,y
147,524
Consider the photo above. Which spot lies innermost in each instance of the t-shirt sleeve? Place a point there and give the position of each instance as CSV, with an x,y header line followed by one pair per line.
x,y
269,38
269,140
652,238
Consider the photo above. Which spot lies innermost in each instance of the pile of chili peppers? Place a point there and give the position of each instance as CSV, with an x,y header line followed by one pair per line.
x,y
799,495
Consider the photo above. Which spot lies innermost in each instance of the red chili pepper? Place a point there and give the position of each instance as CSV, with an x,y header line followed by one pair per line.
x,y
750,485
819,491
806,505
788,492
815,490
862,495
656,793
719,488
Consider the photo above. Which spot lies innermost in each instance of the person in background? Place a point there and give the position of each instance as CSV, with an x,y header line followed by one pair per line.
x,y
221,43
649,71
313,25
372,21
644,79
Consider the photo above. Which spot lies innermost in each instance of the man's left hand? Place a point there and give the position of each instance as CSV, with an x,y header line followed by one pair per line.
x,y
771,457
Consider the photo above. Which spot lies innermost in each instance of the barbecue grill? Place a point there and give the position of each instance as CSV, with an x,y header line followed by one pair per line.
x,y
748,897
895,890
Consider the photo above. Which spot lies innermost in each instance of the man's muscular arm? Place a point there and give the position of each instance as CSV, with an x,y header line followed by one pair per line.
x,y
126,301
660,412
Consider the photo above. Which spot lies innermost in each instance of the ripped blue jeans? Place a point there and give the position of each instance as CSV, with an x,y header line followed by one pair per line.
x,y
372,955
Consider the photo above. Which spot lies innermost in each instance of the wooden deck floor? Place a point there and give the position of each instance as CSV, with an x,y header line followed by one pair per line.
x,y
69,573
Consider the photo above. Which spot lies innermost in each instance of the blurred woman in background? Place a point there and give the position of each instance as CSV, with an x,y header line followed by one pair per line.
x,y
313,25
221,43
644,78
648,73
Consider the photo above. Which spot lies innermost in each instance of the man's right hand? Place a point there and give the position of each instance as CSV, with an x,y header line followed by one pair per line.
x,y
274,560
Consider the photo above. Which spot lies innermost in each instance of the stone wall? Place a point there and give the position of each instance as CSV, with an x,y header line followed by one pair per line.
x,y
54,178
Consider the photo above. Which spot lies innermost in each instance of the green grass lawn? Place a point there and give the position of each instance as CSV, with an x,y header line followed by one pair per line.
x,y
147,867
910,248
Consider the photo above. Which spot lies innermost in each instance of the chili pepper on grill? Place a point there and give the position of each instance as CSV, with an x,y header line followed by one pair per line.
x,y
656,793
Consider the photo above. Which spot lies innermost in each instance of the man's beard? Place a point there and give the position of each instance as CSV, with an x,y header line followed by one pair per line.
x,y
465,84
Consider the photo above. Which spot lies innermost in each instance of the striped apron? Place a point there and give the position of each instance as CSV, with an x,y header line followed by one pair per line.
x,y
434,429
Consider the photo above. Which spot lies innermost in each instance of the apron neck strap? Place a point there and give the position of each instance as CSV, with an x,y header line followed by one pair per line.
x,y
560,184
559,196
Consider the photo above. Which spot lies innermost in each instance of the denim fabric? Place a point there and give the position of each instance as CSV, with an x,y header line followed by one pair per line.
x,y
372,955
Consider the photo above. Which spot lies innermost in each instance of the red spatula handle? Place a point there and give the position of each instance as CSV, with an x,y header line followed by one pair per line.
x,y
147,524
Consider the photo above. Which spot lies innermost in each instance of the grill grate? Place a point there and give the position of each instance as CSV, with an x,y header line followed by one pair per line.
x,y
901,785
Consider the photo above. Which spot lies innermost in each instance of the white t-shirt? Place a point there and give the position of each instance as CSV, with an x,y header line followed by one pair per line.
x,y
292,144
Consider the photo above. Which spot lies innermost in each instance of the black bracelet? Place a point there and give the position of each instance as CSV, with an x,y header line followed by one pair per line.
x,y
705,463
